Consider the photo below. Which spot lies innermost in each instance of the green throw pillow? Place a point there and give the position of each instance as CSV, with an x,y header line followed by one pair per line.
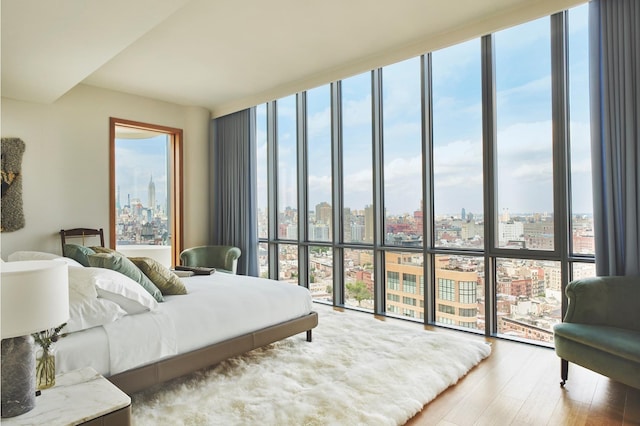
x,y
162,277
78,253
119,263
100,249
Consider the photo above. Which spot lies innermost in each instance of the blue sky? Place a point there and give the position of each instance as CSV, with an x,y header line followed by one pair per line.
x,y
136,161
523,93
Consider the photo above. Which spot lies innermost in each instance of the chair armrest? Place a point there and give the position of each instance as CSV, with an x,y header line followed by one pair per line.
x,y
231,258
611,301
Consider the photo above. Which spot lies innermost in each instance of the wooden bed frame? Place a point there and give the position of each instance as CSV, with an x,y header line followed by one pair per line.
x,y
150,375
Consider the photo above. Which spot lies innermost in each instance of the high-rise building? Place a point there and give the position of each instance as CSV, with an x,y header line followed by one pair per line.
x,y
323,213
368,224
323,217
152,194
356,233
456,293
405,284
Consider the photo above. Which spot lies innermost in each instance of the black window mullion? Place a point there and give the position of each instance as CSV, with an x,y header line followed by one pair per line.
x,y
561,141
302,180
272,186
489,141
337,193
428,216
378,192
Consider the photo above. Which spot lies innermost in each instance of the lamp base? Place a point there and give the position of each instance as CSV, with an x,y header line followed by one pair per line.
x,y
18,376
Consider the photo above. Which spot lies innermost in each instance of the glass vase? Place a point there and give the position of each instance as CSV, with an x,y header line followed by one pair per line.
x,y
46,368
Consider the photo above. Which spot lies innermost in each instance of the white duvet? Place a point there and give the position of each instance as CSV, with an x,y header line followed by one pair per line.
x,y
216,308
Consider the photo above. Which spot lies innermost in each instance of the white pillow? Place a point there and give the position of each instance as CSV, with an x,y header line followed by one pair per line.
x,y
124,291
91,312
86,309
40,255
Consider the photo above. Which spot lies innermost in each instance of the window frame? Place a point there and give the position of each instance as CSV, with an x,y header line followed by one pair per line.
x,y
175,175
490,253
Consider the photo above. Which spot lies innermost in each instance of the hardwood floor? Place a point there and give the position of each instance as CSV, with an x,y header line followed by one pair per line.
x,y
520,385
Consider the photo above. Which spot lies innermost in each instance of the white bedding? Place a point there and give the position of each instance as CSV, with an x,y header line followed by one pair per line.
x,y
216,308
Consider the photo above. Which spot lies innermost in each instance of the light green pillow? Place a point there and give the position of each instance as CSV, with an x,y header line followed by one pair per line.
x,y
161,276
119,263
78,253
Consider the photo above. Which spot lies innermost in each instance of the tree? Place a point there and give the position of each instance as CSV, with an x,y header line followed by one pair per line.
x,y
358,291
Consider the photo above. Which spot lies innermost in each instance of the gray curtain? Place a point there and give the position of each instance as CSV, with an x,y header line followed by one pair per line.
x,y
615,133
233,196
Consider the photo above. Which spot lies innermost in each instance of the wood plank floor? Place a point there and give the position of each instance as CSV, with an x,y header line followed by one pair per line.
x,y
519,384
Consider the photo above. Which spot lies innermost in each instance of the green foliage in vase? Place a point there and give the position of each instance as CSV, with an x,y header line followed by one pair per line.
x,y
46,338
46,362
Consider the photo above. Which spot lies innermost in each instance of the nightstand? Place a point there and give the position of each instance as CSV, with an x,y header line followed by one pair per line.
x,y
79,397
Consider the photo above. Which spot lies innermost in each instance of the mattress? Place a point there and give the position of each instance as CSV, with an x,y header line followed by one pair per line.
x,y
217,307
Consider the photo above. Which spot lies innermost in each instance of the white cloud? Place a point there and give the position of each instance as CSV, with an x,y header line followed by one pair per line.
x,y
357,112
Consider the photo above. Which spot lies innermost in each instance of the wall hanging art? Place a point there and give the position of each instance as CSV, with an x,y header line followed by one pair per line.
x,y
11,212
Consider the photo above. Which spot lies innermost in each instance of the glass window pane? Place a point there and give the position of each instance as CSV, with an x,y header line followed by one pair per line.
x,y
288,263
358,278
287,168
321,273
582,270
143,211
319,163
261,170
404,277
457,149
263,260
459,282
581,188
357,157
529,295
524,145
402,136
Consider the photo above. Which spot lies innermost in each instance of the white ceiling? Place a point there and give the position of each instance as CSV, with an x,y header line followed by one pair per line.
x,y
225,55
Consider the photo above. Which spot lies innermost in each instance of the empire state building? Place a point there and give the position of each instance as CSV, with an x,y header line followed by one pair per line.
x,y
152,194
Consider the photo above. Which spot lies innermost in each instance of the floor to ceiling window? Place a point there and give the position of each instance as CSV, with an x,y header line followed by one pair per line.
x,y
450,188
582,243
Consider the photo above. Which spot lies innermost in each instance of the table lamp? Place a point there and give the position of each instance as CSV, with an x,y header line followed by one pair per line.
x,y
34,297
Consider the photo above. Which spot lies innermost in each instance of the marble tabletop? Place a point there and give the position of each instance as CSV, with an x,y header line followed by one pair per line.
x,y
78,396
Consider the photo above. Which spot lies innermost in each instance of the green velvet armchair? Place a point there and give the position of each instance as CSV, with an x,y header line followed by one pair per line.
x,y
223,258
601,329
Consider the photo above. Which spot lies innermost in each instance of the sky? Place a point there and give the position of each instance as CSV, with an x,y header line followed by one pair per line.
x,y
137,160
524,148
523,96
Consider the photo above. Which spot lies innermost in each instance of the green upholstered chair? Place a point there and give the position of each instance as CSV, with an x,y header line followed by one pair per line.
x,y
223,258
601,329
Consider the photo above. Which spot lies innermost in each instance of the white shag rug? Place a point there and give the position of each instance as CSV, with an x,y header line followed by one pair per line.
x,y
357,371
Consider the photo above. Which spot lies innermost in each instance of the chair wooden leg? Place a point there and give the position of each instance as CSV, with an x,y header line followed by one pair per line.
x,y
308,335
564,371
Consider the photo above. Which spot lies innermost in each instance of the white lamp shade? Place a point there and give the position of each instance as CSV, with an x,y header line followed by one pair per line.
x,y
34,296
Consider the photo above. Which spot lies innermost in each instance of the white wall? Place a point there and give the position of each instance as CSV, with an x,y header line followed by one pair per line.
x,y
65,166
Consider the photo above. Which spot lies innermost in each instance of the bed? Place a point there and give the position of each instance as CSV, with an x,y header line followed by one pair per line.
x,y
137,338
